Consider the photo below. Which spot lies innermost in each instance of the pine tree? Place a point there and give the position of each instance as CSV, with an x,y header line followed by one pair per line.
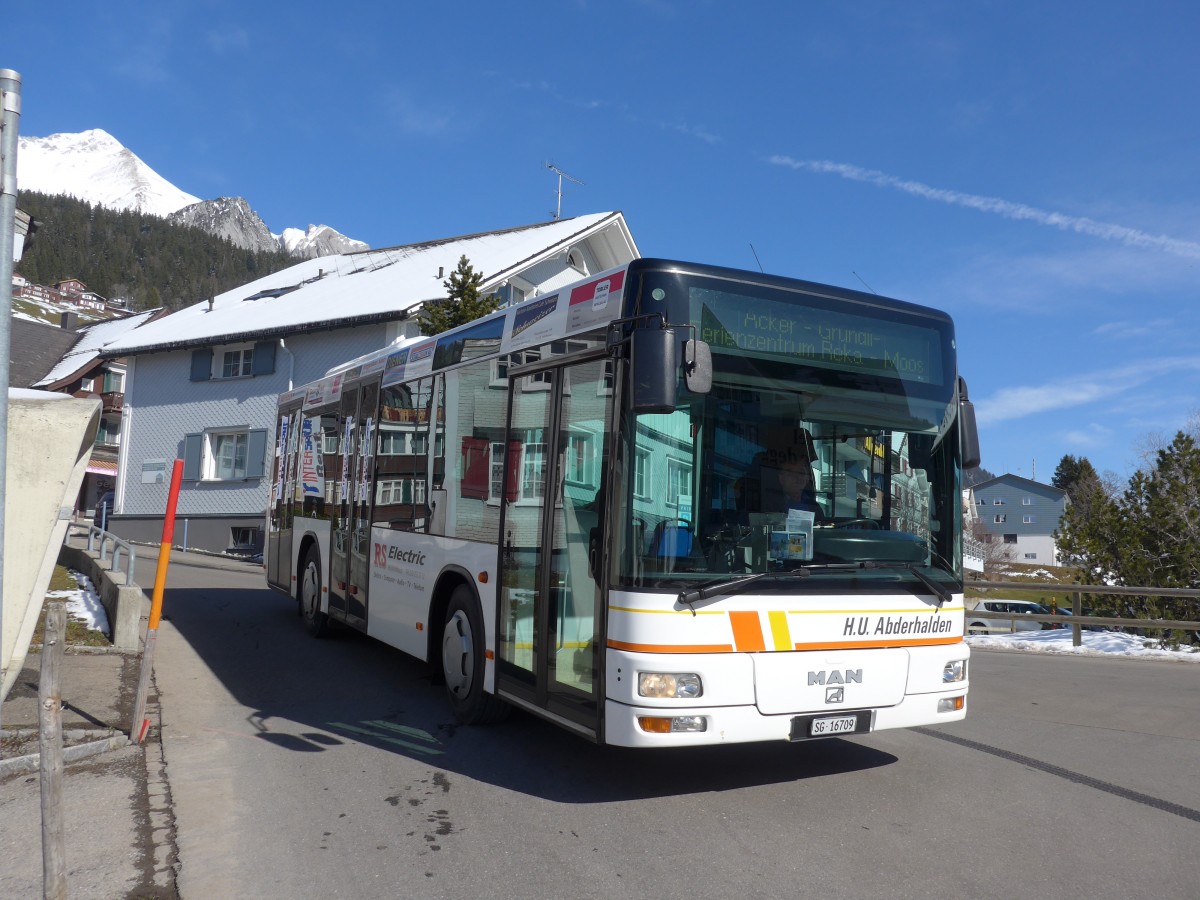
x,y
463,302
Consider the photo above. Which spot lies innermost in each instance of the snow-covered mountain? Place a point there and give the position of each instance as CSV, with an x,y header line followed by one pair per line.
x,y
229,217
94,166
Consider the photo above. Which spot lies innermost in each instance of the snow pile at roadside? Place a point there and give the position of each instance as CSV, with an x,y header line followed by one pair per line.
x,y
84,604
1095,643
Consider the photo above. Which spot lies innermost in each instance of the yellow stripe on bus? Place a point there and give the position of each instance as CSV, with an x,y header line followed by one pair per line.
x,y
780,635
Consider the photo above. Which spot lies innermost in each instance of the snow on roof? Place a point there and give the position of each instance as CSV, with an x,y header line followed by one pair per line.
x,y
372,285
91,342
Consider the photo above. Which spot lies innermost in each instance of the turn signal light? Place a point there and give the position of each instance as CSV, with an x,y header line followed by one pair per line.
x,y
951,704
672,724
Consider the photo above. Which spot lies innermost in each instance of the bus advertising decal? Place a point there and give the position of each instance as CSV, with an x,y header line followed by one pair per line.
x,y
420,360
280,454
311,476
399,567
327,390
534,322
596,302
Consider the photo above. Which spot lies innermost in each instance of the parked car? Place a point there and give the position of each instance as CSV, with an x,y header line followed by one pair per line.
x,y
1015,610
103,510
1084,611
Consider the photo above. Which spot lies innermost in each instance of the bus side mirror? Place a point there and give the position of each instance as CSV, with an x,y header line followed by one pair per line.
x,y
654,356
969,430
697,366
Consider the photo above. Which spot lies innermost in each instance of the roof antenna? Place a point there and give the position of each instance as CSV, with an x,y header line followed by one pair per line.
x,y
756,259
867,286
561,175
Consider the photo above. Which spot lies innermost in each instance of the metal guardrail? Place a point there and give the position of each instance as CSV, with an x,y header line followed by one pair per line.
x,y
1078,622
108,540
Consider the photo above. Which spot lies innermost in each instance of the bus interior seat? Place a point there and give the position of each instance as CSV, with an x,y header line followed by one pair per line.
x,y
672,543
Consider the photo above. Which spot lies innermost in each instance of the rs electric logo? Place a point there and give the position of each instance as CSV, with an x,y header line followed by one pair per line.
x,y
385,552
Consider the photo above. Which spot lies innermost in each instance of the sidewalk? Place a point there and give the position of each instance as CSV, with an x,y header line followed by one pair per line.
x,y
119,832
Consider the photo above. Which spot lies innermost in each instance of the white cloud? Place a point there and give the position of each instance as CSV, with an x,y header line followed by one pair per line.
x,y
1078,389
1019,211
693,131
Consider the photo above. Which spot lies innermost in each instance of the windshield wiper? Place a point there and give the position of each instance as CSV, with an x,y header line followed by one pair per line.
x,y
944,594
717,588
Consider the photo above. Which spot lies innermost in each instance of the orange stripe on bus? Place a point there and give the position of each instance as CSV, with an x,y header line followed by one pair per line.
x,y
747,632
671,648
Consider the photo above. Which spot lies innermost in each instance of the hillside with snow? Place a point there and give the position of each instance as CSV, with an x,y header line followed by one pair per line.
x,y
95,167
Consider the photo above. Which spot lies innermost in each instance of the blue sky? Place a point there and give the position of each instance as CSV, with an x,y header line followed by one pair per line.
x,y
1030,167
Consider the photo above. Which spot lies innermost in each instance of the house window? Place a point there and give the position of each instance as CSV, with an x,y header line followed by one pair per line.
x,y
1026,520
999,501
533,471
496,483
679,482
224,455
244,538
233,361
228,453
1031,556
237,363
1027,501
579,459
1000,519
641,474
1010,539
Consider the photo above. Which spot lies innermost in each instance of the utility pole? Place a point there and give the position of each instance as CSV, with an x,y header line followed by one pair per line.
x,y
10,107
561,175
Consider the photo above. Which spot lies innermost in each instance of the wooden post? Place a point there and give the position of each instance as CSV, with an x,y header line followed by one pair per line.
x,y
54,863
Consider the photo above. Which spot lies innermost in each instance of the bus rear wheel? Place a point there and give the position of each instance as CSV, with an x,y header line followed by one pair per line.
x,y
315,621
463,662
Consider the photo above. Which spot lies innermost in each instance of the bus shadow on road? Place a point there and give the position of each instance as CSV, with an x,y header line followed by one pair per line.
x,y
309,696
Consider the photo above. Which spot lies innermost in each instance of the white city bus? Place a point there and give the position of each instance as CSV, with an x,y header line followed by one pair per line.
x,y
563,507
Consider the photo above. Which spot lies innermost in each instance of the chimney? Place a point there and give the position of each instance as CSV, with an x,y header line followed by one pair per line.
x,y
69,321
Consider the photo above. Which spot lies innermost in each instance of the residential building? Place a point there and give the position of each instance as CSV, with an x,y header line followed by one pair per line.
x,y
82,372
202,384
1023,515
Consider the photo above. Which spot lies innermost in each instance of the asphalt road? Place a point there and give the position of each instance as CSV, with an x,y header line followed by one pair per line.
x,y
305,768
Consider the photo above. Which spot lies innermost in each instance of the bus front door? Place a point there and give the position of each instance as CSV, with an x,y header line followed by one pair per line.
x,y
550,622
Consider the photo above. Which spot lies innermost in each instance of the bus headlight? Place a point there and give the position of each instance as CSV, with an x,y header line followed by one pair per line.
x,y
954,671
668,686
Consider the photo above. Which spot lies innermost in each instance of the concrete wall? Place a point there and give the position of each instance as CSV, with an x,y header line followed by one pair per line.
x,y
126,605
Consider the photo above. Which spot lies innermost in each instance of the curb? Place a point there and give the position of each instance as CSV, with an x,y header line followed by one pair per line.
x,y
23,764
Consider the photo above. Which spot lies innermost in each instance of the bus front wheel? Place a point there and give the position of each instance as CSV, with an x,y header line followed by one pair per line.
x,y
315,621
463,662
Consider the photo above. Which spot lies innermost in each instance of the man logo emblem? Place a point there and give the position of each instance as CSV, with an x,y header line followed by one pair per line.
x,y
835,695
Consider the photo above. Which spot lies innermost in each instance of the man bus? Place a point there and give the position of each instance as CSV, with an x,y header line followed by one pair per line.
x,y
560,507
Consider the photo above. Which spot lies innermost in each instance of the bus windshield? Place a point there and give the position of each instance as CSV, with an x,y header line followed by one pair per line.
x,y
829,442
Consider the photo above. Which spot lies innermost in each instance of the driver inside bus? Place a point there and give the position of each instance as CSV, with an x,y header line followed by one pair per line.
x,y
780,482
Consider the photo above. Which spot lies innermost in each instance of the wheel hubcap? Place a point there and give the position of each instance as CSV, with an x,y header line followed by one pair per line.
x,y
309,591
457,657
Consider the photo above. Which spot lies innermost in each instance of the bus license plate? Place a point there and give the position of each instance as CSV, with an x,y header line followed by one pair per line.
x,y
833,725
